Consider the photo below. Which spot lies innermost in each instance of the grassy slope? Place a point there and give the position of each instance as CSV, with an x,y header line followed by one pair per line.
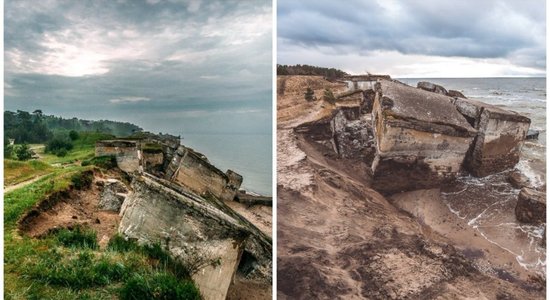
x,y
19,171
51,268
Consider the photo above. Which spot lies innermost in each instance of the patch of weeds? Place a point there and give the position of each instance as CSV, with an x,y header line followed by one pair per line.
x,y
78,238
158,286
82,180
152,148
105,162
119,244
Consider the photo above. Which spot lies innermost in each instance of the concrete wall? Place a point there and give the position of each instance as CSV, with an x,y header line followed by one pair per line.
x,y
152,162
501,133
188,227
196,173
127,153
421,139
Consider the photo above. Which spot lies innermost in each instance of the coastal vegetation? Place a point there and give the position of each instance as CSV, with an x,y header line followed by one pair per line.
x,y
329,73
25,127
69,263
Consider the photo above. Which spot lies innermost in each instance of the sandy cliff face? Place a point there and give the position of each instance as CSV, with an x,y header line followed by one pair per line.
x,y
340,239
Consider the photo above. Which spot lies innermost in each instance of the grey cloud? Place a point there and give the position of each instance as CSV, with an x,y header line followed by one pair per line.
x,y
477,29
149,51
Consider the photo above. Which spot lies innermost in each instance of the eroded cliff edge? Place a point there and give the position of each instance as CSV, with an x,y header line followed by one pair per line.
x,y
181,201
338,236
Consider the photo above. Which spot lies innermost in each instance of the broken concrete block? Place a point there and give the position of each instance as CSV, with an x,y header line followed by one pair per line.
x,y
518,180
127,153
431,87
421,138
192,170
113,195
500,135
191,230
455,94
531,206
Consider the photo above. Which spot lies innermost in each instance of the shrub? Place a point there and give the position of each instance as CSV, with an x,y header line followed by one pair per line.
x,y
105,162
73,135
329,96
78,238
82,180
158,286
309,95
23,152
60,144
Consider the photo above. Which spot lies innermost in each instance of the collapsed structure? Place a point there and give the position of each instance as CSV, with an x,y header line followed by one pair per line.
x,y
178,202
418,138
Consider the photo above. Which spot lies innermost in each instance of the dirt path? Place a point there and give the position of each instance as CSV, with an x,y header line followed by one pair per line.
x,y
16,186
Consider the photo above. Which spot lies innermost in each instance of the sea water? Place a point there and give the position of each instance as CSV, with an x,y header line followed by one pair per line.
x,y
247,154
487,204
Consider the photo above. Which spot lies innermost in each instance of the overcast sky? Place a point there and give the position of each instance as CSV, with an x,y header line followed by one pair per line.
x,y
416,38
166,65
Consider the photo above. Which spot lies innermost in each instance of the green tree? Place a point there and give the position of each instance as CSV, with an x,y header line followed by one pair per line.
x,y
24,152
59,144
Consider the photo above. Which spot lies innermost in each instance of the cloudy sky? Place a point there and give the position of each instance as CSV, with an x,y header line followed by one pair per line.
x,y
416,38
167,65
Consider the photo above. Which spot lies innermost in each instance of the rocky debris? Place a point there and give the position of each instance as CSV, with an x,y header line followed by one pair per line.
x,y
203,234
347,132
353,138
455,94
368,101
532,134
531,206
431,87
421,139
518,180
499,139
112,196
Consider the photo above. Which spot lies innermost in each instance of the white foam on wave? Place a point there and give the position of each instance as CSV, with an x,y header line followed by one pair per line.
x,y
535,179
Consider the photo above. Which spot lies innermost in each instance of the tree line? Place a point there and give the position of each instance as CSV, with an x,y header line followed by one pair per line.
x,y
329,73
22,128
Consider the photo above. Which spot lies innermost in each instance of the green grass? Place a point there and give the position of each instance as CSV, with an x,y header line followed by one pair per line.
x,y
19,171
84,149
105,162
69,265
18,201
78,238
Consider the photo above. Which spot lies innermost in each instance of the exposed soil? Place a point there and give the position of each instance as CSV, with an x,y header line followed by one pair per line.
x,y
340,239
74,208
